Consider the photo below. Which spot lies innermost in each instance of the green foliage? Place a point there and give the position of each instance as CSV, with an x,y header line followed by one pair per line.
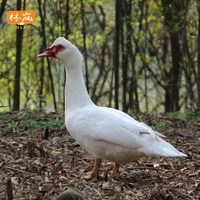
x,y
161,126
28,120
187,115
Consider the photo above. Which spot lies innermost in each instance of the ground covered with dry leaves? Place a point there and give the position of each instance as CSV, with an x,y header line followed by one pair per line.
x,y
32,167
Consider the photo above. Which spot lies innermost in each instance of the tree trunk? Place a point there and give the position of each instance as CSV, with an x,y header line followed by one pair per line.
x,y
42,18
19,36
84,44
172,12
67,27
117,49
198,61
133,87
3,4
124,70
41,86
125,36
175,72
67,32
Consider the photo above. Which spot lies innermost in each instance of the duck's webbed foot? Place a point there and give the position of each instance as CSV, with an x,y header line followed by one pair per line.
x,y
95,170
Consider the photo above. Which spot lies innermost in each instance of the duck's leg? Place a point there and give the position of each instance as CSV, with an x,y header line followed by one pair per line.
x,y
115,170
97,164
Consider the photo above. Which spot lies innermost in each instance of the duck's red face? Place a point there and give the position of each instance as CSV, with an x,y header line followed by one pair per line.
x,y
52,51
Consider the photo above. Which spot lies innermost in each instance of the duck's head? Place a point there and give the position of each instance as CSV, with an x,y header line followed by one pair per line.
x,y
65,51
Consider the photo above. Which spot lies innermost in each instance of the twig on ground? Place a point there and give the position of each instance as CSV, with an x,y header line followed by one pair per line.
x,y
9,189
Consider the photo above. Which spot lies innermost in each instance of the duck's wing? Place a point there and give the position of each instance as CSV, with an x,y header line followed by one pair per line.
x,y
108,126
128,117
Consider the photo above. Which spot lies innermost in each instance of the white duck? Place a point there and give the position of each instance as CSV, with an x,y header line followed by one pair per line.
x,y
104,132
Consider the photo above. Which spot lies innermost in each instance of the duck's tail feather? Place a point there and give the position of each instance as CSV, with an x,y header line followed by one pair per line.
x,y
161,148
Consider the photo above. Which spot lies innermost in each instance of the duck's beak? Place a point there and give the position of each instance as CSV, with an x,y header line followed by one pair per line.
x,y
52,51
49,52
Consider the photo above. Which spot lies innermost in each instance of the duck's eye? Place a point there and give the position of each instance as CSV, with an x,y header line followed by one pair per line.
x,y
58,48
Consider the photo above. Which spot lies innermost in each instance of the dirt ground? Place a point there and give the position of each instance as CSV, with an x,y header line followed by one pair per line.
x,y
41,169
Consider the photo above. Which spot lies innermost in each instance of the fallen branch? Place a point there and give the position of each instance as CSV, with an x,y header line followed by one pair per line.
x,y
183,194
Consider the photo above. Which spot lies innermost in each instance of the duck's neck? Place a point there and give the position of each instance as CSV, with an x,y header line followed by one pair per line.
x,y
76,95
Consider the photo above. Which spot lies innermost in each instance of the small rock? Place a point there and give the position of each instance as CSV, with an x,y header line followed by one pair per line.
x,y
70,194
56,140
106,186
18,161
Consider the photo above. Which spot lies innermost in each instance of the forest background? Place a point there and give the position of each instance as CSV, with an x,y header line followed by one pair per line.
x,y
139,55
